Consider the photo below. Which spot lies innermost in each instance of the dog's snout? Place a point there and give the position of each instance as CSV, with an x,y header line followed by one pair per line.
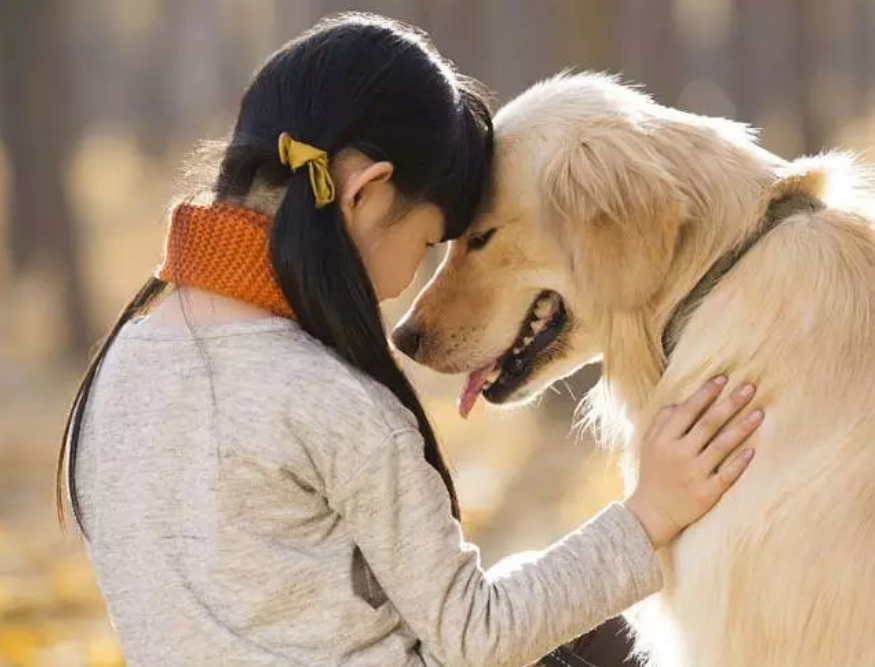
x,y
407,338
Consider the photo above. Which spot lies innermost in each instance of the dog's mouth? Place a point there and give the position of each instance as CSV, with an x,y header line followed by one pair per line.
x,y
497,381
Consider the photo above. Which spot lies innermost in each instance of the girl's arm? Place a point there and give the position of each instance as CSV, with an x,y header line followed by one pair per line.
x,y
400,518
399,513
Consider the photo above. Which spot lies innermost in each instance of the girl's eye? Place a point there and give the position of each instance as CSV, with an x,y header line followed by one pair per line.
x,y
479,241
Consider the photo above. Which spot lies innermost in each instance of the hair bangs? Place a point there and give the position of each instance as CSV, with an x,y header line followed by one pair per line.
x,y
466,175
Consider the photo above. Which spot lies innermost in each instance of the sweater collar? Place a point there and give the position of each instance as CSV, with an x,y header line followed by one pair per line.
x,y
223,248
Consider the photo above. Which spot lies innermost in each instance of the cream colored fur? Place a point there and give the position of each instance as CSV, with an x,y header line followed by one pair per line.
x,y
620,205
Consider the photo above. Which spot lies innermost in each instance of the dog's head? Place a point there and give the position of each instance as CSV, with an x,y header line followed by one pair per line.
x,y
581,221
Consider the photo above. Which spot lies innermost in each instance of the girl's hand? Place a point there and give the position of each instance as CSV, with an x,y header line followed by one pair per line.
x,y
685,464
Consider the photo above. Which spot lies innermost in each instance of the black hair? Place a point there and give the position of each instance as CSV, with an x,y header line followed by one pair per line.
x,y
352,82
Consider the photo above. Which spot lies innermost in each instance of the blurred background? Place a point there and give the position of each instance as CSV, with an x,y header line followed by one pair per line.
x,y
100,101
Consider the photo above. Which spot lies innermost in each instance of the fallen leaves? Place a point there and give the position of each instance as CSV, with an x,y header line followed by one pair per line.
x,y
18,645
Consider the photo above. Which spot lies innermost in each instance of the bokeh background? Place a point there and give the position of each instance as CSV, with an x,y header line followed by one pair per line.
x,y
100,101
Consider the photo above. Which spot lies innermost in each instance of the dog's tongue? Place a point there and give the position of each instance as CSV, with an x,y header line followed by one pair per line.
x,y
471,390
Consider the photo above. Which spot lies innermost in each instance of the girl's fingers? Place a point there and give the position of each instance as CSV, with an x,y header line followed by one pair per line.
x,y
717,415
686,414
729,472
728,440
660,420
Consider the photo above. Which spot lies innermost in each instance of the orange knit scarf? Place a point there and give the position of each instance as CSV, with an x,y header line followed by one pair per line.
x,y
223,248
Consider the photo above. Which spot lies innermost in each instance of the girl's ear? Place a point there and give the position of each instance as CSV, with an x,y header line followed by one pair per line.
x,y
355,185
619,209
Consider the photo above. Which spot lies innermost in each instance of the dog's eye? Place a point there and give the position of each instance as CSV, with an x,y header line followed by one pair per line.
x,y
478,241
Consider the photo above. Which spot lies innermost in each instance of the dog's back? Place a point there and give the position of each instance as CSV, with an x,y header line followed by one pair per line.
x,y
781,573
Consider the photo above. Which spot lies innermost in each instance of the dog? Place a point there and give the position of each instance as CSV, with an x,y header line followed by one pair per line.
x,y
672,248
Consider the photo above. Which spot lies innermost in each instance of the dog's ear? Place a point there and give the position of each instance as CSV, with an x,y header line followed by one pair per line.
x,y
619,210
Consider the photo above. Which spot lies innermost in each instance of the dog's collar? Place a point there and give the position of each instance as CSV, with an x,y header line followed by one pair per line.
x,y
778,211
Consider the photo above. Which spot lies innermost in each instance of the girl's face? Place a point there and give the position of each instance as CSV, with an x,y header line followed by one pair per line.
x,y
391,235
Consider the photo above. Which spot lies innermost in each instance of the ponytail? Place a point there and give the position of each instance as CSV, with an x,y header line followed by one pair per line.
x,y
321,273
73,427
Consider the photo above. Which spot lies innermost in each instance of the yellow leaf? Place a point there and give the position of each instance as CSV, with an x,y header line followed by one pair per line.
x,y
6,597
17,646
71,580
105,652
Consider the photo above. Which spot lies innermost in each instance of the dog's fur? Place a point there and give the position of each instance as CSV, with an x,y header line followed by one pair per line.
x,y
620,205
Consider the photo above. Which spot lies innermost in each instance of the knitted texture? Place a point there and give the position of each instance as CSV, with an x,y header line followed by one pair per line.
x,y
224,249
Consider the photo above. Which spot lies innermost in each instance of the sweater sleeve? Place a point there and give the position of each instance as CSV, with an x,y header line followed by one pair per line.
x,y
398,512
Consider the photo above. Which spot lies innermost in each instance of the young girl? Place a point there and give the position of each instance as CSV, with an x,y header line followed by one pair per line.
x,y
256,479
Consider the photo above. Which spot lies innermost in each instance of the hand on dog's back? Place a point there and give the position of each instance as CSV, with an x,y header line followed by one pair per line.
x,y
688,459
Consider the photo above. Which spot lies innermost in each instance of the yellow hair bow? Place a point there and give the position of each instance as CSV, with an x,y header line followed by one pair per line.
x,y
296,154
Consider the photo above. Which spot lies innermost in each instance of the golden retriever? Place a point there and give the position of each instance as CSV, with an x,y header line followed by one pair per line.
x,y
672,247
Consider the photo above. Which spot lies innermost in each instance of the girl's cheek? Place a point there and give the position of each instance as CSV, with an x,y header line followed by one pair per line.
x,y
403,280
404,273
398,262
391,280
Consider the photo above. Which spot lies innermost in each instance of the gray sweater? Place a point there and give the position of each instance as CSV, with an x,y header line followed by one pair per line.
x,y
251,500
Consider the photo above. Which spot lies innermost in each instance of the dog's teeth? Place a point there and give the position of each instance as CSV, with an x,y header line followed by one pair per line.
x,y
517,350
493,376
538,326
528,340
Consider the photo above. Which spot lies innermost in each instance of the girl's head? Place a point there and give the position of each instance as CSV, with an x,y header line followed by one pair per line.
x,y
409,144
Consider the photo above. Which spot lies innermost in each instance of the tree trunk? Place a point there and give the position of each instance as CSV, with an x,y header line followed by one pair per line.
x,y
808,42
36,133
650,47
864,56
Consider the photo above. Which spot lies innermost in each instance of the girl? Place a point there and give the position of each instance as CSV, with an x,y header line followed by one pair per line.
x,y
256,478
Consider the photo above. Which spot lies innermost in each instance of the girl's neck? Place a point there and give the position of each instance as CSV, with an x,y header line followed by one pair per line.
x,y
191,305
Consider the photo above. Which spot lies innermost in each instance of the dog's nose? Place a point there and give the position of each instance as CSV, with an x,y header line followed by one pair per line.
x,y
407,338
